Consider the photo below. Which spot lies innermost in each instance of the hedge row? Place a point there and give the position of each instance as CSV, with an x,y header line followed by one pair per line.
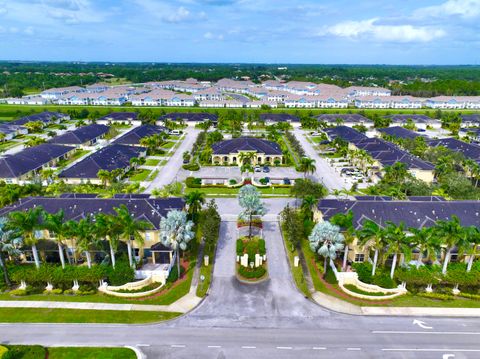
x,y
251,273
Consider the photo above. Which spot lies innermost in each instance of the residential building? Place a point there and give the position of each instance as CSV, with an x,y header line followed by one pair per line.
x,y
82,137
232,152
134,136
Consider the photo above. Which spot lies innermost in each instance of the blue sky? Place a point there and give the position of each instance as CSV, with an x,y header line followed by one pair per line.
x,y
272,31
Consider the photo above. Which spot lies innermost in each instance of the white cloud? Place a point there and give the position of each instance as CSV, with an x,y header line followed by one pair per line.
x,y
179,15
462,8
210,36
371,28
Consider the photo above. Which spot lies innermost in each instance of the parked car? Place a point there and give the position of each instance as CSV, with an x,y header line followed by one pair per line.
x,y
287,181
266,169
258,169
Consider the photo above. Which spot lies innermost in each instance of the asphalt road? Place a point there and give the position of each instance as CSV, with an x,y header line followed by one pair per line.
x,y
269,320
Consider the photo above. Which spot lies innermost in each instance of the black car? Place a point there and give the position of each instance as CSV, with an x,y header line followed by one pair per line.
x,y
287,181
266,169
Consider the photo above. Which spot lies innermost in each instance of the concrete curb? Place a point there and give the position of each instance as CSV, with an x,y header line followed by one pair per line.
x,y
137,351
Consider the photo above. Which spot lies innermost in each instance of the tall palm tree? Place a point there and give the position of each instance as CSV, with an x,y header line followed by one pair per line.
x,y
9,245
194,201
345,222
326,240
451,233
106,227
371,235
130,229
307,165
86,237
56,225
47,174
428,244
473,233
308,203
26,223
246,158
397,242
104,176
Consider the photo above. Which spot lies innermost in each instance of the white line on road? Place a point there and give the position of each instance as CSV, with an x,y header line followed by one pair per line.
x,y
319,348
143,345
429,350
428,333
178,346
248,347
284,348
214,346
354,348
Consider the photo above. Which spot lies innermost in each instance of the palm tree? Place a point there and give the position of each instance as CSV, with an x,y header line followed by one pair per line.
x,y
326,240
194,200
345,222
451,233
104,176
130,229
26,223
308,203
371,234
86,237
396,243
428,244
9,244
176,232
47,174
106,227
473,234
246,157
307,165
56,225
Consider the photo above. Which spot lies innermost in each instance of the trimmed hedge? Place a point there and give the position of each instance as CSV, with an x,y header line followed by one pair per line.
x,y
191,167
193,182
25,352
252,273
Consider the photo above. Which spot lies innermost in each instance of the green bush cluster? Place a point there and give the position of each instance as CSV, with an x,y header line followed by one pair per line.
x,y
173,276
240,247
191,167
381,277
437,296
193,182
330,276
252,273
3,351
24,352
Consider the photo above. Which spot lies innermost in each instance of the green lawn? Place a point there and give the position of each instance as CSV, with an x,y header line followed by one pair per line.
x,y
297,272
7,144
140,175
152,162
90,353
75,156
49,315
37,351
167,145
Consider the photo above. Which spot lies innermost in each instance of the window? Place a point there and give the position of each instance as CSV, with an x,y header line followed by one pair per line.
x,y
148,236
38,234
359,257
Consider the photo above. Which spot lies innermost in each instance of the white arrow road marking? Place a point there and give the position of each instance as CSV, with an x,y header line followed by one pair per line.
x,y
421,324
178,346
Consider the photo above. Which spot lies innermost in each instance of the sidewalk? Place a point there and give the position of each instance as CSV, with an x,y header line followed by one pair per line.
x,y
342,306
183,305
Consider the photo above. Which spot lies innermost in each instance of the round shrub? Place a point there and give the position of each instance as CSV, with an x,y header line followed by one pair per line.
x,y
173,276
3,351
252,273
193,182
383,280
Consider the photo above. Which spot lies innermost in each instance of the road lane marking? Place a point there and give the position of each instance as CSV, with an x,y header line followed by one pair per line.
x,y
430,350
354,348
178,346
143,345
284,348
419,332
214,346
319,348
248,347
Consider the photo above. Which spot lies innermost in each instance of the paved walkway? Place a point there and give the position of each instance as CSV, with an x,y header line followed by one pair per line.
x,y
324,173
170,170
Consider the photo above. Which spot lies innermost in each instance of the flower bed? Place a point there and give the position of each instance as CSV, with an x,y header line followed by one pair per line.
x,y
256,222
252,248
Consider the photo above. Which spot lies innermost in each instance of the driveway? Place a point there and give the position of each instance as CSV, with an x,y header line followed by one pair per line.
x,y
169,172
324,173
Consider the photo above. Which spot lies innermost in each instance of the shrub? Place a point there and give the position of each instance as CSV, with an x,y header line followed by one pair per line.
x,y
355,289
3,351
383,280
193,182
24,352
122,273
232,182
191,167
469,295
240,247
330,276
69,292
173,276
251,249
364,271
261,247
55,291
251,273
18,292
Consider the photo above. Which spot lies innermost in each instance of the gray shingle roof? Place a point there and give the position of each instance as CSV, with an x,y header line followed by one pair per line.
x,y
147,209
399,132
29,159
120,116
279,117
45,117
418,214
189,116
469,150
81,135
108,158
134,136
236,145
